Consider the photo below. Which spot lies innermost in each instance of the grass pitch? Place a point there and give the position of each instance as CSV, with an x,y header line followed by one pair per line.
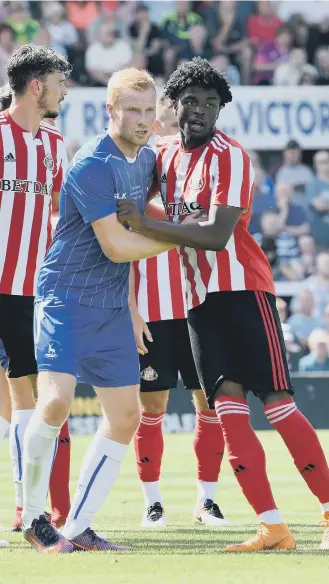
x,y
182,553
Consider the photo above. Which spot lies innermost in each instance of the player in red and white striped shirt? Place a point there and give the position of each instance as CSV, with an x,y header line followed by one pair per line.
x,y
234,325
160,300
32,158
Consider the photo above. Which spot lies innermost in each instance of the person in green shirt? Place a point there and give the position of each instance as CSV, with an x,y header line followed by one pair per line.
x,y
24,27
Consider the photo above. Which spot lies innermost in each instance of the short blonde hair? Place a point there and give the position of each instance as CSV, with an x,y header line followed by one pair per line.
x,y
132,78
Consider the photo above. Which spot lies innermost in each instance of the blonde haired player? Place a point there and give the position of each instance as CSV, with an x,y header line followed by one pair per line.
x,y
83,323
159,299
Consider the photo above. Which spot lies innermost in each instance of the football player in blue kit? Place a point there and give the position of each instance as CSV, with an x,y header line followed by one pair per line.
x,y
83,325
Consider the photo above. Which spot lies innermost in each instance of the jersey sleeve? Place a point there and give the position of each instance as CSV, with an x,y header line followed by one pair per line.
x,y
91,186
232,178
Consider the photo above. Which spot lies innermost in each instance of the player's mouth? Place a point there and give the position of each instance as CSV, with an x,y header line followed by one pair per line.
x,y
142,133
197,125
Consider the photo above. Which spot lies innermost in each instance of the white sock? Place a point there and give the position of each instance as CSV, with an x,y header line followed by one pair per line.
x,y
100,468
19,423
325,507
39,445
272,517
206,490
151,493
4,427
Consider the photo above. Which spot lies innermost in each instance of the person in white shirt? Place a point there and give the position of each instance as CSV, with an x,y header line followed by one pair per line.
x,y
107,55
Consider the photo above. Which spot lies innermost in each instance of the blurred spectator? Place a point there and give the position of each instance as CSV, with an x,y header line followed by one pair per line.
x,y
293,171
81,14
43,38
147,41
25,28
303,322
176,29
317,196
294,350
62,32
308,254
284,253
270,54
159,10
107,55
318,37
318,359
263,199
196,46
309,75
263,26
318,284
228,35
322,63
6,50
290,73
294,217
222,63
105,16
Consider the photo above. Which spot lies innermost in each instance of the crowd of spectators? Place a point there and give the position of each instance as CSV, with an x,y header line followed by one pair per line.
x,y
259,43
283,43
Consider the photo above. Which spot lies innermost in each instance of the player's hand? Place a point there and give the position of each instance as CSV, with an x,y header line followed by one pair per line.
x,y
141,329
128,212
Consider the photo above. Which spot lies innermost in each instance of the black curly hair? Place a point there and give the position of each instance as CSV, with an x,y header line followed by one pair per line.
x,y
198,72
5,98
34,62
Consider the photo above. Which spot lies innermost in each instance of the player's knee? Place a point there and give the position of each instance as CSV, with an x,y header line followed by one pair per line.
x,y
126,422
200,401
154,402
56,410
231,389
275,396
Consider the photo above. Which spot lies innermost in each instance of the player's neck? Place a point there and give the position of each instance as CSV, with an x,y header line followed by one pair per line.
x,y
127,149
191,144
25,115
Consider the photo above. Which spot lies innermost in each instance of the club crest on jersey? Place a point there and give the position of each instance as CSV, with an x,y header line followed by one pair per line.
x,y
149,374
51,353
196,183
49,162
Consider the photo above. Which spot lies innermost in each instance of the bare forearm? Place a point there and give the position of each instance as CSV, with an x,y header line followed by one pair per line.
x,y
132,295
299,230
135,246
199,235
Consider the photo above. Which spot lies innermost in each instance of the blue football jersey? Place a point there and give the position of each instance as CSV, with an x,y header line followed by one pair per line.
x,y
75,268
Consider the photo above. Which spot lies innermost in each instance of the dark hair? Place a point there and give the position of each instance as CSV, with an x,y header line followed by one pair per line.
x,y
5,97
34,62
198,72
8,28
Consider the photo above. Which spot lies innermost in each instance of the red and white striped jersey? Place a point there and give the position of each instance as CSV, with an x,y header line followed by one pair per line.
x,y
30,170
160,287
220,173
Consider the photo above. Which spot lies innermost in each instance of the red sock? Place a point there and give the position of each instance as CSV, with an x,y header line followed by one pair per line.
x,y
303,444
149,447
208,446
60,478
245,452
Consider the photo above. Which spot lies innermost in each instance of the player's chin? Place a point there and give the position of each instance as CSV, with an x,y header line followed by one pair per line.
x,y
141,138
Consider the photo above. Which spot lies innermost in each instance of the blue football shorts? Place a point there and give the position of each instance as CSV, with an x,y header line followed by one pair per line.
x,y
96,345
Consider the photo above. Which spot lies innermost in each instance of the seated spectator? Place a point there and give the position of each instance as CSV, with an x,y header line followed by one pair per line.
x,y
43,38
303,322
290,72
308,254
318,37
294,217
7,46
263,199
318,359
263,26
62,32
81,14
107,55
270,55
285,255
317,196
147,41
322,63
176,29
228,36
25,28
222,63
309,75
318,285
293,171
196,46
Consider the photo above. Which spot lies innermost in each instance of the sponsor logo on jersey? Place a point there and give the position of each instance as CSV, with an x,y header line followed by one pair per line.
x,y
25,186
185,208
